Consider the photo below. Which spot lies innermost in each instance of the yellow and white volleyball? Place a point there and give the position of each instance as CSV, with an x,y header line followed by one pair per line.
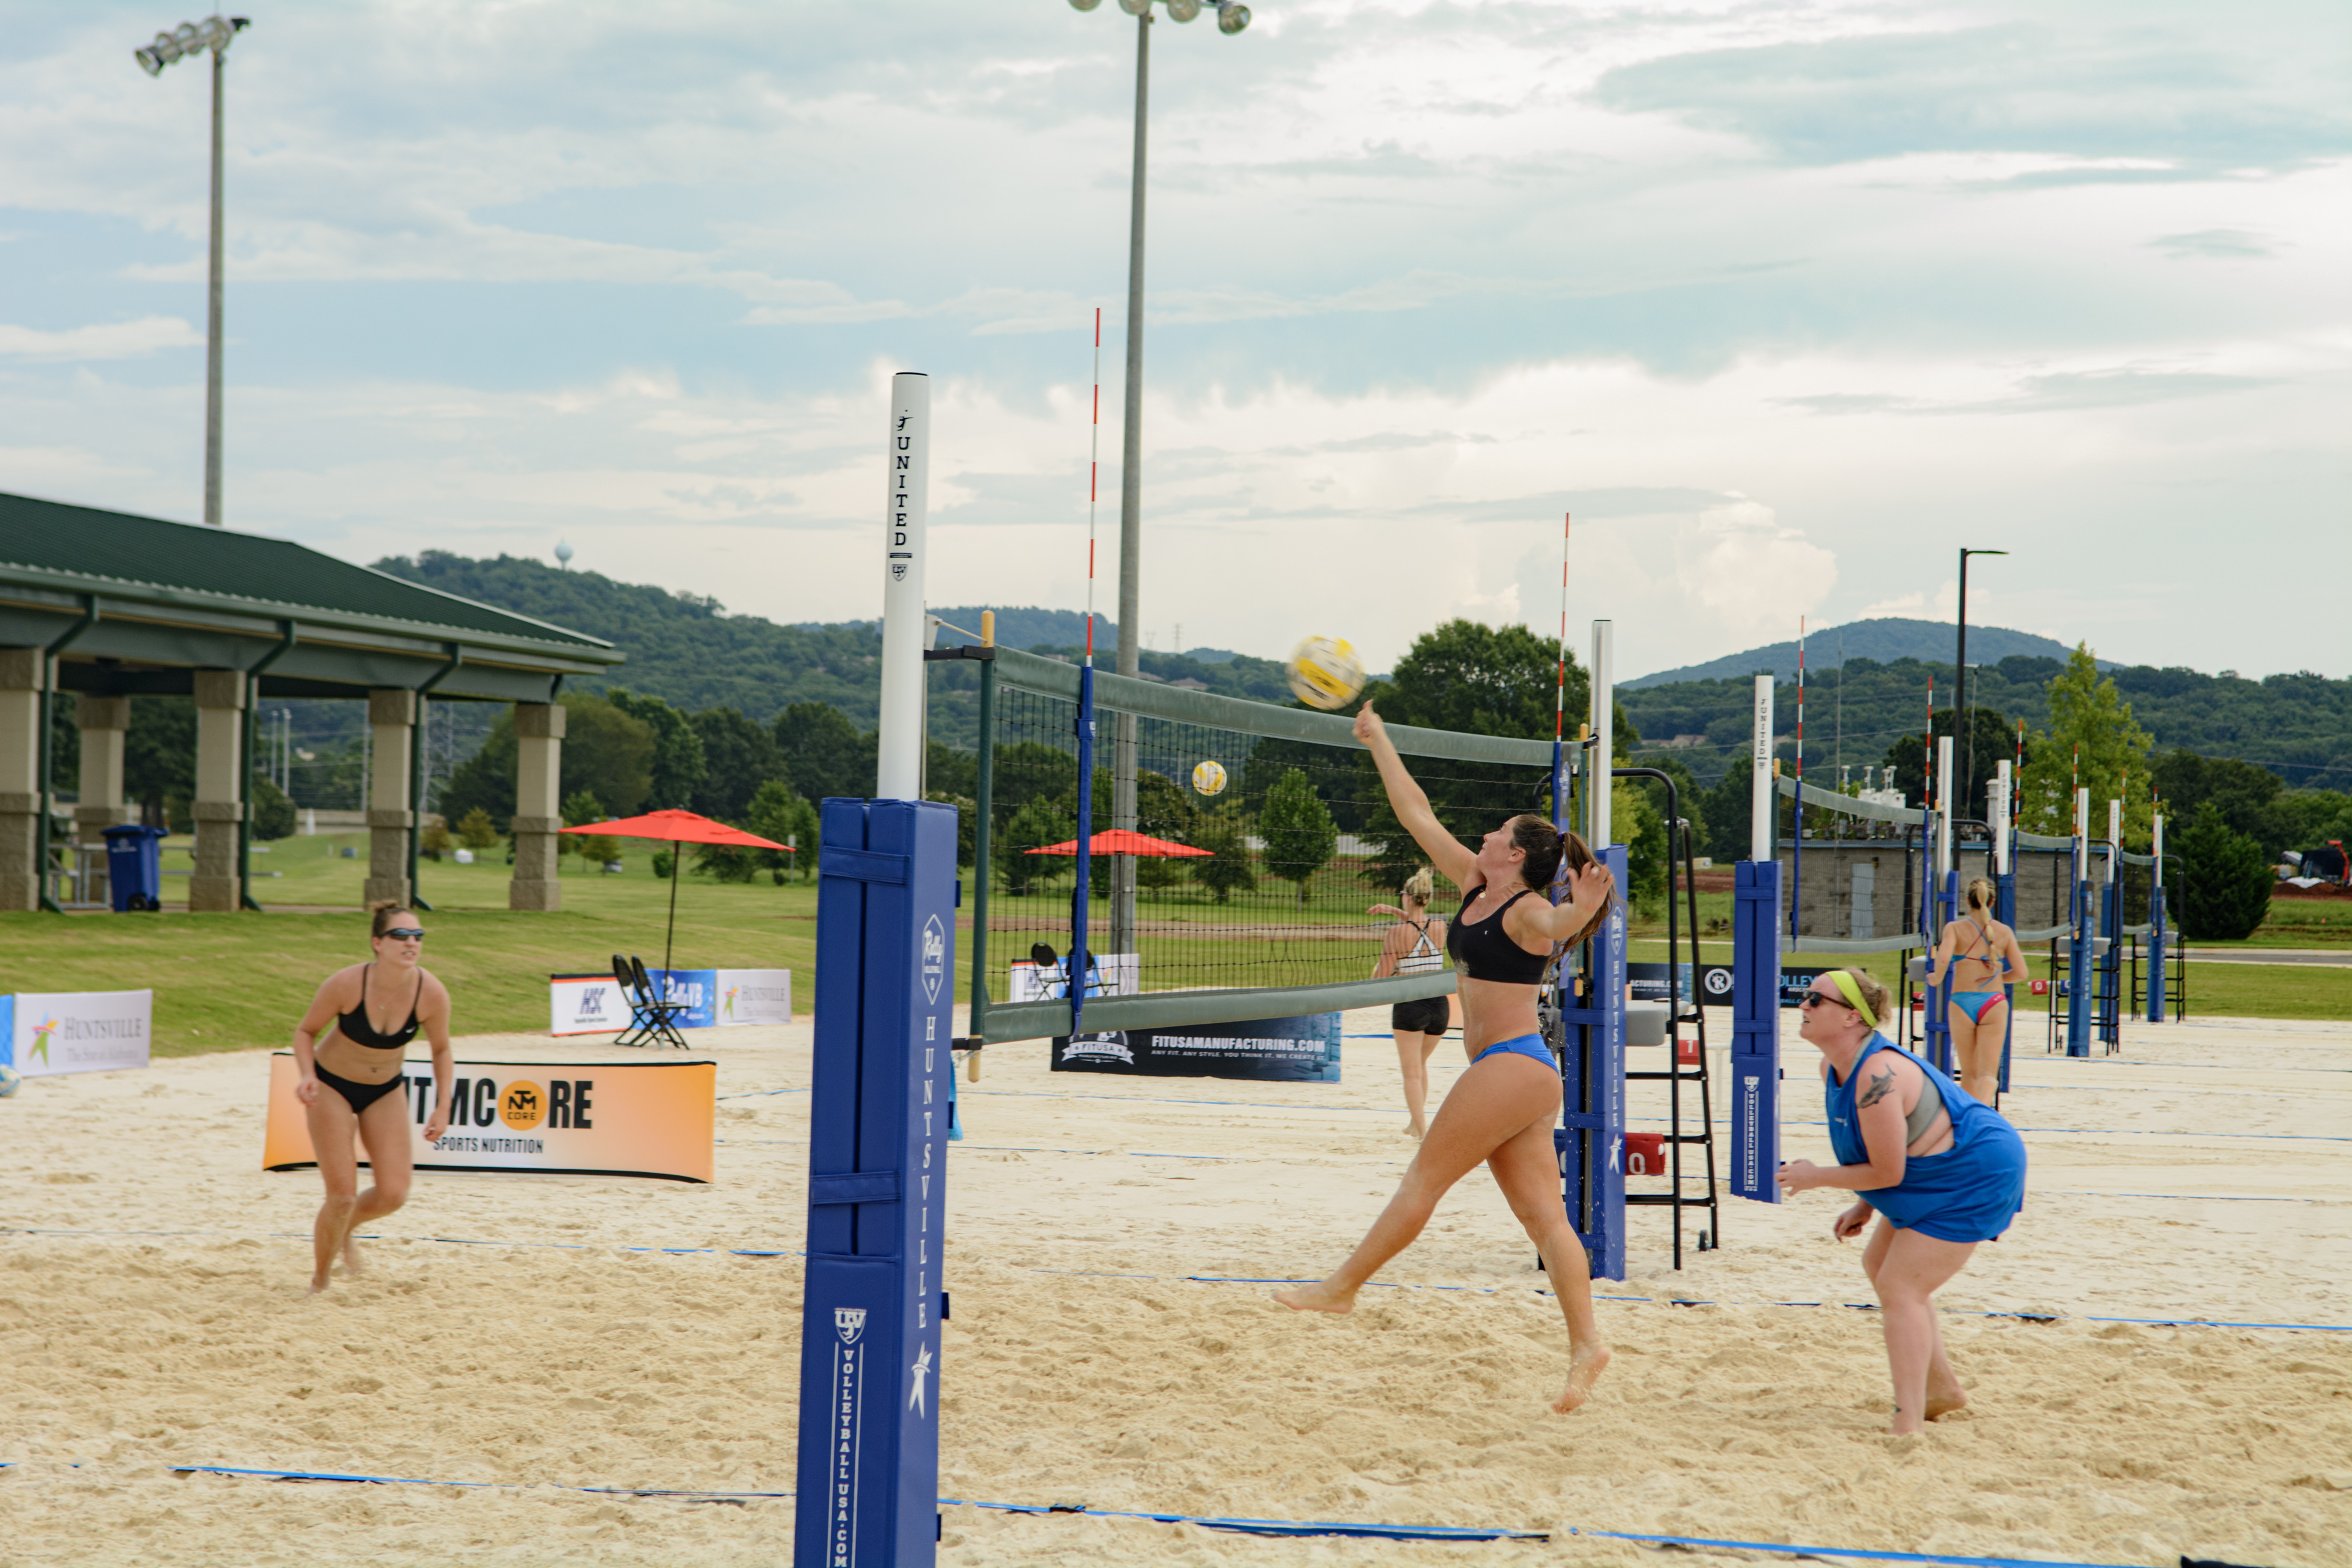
x,y
1325,671
1209,777
9,1079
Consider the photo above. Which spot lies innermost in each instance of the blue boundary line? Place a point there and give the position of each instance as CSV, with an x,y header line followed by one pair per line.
x,y
1244,1526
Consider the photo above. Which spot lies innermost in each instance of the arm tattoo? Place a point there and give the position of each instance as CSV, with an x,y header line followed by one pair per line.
x,y
1880,1086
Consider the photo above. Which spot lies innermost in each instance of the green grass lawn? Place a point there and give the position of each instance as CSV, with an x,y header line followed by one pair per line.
x,y
234,981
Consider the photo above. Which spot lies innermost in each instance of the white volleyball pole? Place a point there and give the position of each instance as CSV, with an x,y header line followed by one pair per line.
x,y
1603,754
2115,838
1760,814
1997,815
1943,809
898,772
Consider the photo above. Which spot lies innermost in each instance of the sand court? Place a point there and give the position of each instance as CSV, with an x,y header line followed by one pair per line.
x,y
1111,1345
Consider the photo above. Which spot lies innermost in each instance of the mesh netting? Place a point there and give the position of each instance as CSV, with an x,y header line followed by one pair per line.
x,y
1283,859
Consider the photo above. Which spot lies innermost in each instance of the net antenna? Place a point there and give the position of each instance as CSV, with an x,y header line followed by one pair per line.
x,y
1560,808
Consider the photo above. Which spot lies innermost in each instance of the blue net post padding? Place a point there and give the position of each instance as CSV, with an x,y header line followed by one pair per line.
x,y
1079,955
2078,962
1936,1023
2156,953
2111,963
1591,1139
2005,912
1755,1030
869,1433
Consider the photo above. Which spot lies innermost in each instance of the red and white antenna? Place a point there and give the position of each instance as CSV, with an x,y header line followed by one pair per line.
x,y
1928,746
1559,698
1094,469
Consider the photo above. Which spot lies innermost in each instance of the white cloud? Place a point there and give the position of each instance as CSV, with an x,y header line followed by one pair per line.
x,y
1751,574
106,340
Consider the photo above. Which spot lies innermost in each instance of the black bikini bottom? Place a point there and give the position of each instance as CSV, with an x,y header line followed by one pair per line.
x,y
358,1096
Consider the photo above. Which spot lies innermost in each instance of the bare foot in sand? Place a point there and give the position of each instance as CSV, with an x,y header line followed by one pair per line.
x,y
1943,1402
352,1264
1585,1366
1414,1132
318,1283
1317,1297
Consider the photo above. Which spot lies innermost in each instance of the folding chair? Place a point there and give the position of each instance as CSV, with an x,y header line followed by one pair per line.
x,y
649,1016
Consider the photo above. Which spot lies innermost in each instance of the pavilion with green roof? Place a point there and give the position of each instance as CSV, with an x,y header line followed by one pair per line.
x,y
105,605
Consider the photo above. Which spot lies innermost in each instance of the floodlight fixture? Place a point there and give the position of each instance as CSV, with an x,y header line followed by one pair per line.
x,y
1184,10
1232,17
1136,7
213,33
1084,4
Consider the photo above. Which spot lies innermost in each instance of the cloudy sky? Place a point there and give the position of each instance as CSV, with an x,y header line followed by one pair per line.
x,y
1784,302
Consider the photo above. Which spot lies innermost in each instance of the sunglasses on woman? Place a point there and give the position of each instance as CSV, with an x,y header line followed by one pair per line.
x,y
1815,998
406,934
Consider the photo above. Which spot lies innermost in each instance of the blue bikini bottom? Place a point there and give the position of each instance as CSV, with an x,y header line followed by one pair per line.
x,y
1977,1003
1531,1047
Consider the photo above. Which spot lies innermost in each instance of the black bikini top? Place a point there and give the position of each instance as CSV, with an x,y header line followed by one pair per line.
x,y
354,1026
1483,950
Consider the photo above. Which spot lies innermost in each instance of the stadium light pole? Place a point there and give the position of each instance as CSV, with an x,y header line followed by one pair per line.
x,y
214,34
1960,673
1232,17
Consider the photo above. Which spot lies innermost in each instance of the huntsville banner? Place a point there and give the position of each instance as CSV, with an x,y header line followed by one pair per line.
x,y
714,999
43,1033
1281,1050
576,1119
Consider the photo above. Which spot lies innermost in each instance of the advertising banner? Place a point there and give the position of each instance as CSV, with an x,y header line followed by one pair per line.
x,y
576,1118
586,1005
1649,983
697,988
753,995
1282,1050
77,1031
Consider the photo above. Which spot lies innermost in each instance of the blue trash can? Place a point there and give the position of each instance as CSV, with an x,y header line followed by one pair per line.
x,y
134,867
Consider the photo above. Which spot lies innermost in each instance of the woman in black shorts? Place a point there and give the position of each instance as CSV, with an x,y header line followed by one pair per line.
x,y
352,1080
1415,945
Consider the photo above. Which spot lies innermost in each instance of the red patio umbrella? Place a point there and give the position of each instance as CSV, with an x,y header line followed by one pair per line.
x,y
1121,841
679,827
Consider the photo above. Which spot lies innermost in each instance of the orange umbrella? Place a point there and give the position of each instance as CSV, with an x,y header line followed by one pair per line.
x,y
1121,841
679,827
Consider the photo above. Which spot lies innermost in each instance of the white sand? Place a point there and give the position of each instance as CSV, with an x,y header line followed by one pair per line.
x,y
544,1366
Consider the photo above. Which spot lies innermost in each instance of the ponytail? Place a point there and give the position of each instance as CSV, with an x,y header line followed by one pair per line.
x,y
1553,856
1982,894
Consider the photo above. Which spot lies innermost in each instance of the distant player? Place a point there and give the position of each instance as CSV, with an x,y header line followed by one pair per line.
x,y
1501,1111
1981,956
1942,1171
353,1077
1415,945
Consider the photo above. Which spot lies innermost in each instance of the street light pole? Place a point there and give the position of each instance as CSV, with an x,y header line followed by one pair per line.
x,y
1232,18
1966,731
1130,509
212,35
213,321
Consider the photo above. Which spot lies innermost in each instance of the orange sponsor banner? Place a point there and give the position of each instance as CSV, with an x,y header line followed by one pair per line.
x,y
574,1118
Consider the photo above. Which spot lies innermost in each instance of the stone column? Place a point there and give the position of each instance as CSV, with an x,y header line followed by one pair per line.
x,y
103,721
20,776
220,788
539,794
392,715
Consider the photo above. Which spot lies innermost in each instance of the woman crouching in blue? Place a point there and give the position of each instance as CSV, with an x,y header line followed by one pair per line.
x,y
1942,1169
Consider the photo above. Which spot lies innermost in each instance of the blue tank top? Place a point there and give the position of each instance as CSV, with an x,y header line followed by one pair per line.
x,y
1968,1114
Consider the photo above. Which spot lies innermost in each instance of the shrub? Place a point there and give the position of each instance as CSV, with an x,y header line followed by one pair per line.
x,y
273,810
1227,869
476,831
2225,882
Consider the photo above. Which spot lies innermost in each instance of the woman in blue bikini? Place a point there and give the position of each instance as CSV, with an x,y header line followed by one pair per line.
x,y
351,1070
1501,1111
1981,956
1942,1171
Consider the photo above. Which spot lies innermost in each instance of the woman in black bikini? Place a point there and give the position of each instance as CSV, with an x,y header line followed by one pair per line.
x,y
351,1081
1501,1111
1415,945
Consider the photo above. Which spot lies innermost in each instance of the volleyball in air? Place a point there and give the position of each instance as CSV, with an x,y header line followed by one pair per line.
x,y
9,1079
1325,671
1209,777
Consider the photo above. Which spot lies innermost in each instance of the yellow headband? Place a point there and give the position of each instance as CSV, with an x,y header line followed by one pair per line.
x,y
1853,995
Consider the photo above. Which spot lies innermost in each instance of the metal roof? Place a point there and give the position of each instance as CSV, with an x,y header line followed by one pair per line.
x,y
162,599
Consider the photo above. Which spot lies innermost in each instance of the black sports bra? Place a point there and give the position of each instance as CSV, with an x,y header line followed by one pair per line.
x,y
1483,950
354,1026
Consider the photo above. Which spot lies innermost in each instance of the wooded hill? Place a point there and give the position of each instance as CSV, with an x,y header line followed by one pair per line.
x,y
2298,726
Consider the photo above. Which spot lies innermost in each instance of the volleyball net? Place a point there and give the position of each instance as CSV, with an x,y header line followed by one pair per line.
x,y
1231,879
